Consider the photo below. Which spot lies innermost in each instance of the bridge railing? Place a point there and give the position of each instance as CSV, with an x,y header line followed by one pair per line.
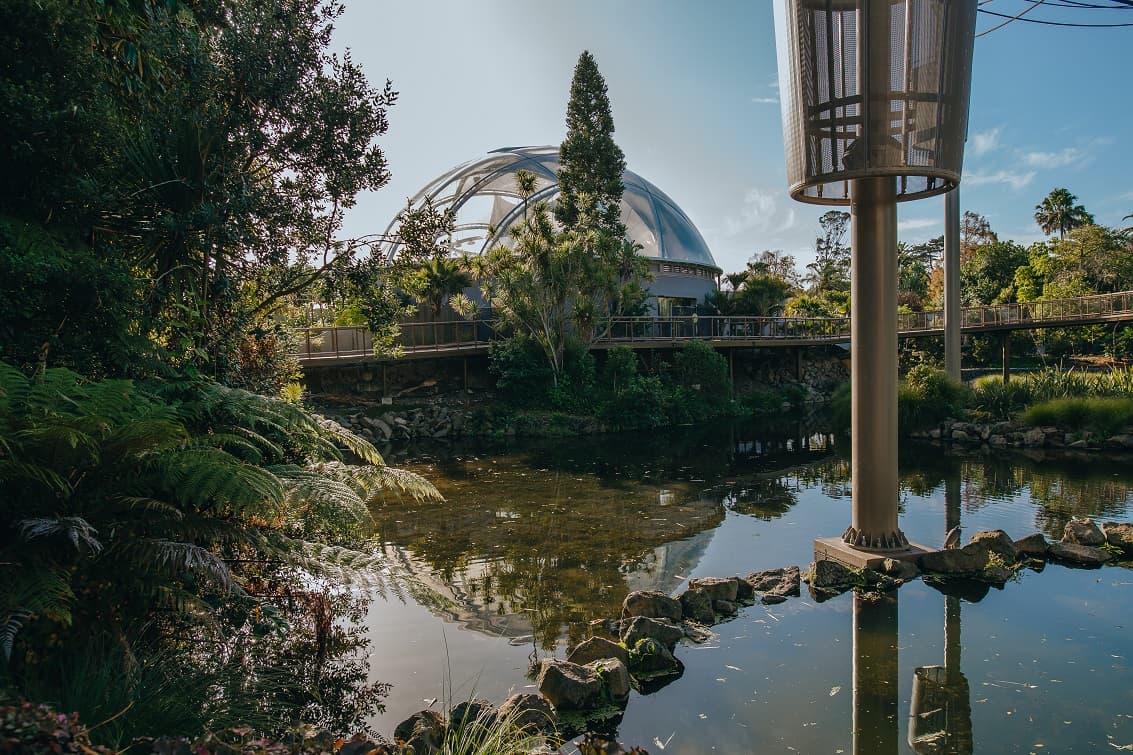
x,y
350,341
356,341
720,328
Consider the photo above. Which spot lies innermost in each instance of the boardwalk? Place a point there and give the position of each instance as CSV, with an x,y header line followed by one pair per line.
x,y
324,345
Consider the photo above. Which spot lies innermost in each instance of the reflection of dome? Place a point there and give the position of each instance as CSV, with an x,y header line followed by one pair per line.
x,y
483,193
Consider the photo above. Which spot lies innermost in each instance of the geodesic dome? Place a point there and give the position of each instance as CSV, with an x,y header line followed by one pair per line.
x,y
483,193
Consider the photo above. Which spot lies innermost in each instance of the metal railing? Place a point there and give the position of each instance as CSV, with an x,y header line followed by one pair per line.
x,y
466,336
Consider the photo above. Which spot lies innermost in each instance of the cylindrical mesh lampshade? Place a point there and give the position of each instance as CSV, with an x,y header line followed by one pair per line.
x,y
874,88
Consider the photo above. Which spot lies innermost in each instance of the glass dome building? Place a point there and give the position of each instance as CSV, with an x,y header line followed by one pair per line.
x,y
484,195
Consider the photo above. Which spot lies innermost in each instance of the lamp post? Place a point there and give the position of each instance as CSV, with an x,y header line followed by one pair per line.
x,y
875,106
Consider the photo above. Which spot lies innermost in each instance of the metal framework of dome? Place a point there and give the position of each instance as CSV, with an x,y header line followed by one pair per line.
x,y
484,195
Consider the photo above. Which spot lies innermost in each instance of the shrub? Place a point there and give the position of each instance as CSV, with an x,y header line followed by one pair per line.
x,y
521,370
996,400
702,387
927,396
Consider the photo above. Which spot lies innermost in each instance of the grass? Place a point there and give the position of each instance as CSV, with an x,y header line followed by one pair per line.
x,y
1102,415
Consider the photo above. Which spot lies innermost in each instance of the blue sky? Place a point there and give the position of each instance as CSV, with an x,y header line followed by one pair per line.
x,y
695,104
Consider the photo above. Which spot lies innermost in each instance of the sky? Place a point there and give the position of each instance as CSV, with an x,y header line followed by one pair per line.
x,y
693,89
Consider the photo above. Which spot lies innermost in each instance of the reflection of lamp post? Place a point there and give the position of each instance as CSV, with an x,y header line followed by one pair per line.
x,y
875,675
875,107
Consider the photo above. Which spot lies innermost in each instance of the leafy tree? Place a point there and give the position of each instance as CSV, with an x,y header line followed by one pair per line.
x,y
830,270
776,264
563,281
211,147
1058,212
988,275
761,296
975,231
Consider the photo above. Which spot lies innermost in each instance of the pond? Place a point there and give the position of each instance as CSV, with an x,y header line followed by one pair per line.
x,y
538,538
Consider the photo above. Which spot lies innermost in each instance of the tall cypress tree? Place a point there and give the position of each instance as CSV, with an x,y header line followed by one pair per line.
x,y
590,163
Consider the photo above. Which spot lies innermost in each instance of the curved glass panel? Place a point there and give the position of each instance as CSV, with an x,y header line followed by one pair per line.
x,y
488,202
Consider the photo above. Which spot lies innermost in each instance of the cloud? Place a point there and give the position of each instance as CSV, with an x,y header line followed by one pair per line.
x,y
766,100
1059,159
985,141
916,224
1015,180
761,213
1127,196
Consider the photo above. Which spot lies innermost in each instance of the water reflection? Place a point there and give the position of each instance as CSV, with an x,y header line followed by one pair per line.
x,y
539,538
876,677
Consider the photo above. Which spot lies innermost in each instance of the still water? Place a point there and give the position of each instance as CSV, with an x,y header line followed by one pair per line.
x,y
538,538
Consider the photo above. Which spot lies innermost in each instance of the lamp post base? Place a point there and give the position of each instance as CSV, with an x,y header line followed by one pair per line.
x,y
834,549
893,540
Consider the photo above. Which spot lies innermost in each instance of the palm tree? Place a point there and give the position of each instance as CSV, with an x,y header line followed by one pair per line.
x,y
439,279
525,183
1058,212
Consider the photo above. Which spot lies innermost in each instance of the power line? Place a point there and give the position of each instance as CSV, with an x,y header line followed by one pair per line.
x,y
1044,22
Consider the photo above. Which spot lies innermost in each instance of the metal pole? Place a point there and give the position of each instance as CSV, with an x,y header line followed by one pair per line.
x,y
873,366
952,283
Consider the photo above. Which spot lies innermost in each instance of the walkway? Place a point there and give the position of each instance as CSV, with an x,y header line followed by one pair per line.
x,y
347,344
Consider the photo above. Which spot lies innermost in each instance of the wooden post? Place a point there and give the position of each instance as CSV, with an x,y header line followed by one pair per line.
x,y
385,391
465,361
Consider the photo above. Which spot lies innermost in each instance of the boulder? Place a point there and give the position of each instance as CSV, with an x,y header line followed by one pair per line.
x,y
383,428
697,606
528,711
780,582
1034,546
651,603
997,542
696,632
745,593
1119,535
771,599
614,676
1034,438
725,607
650,658
1084,555
829,577
423,733
971,559
475,712
1123,442
568,686
595,649
902,571
642,627
716,588
359,745
1083,531
997,573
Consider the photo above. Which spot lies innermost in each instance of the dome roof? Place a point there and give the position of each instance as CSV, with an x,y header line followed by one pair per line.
x,y
484,195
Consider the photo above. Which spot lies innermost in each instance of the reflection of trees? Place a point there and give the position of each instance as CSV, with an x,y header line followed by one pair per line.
x,y
540,551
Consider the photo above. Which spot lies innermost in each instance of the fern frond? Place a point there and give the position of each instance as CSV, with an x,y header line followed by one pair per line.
x,y
143,436
355,444
206,476
48,478
370,481
144,503
183,558
327,498
11,627
232,442
74,528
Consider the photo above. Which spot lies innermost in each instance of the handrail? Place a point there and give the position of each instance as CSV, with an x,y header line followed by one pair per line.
x,y
463,336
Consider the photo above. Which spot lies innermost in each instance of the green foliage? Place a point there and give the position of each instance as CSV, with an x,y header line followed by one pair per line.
x,y
987,275
522,374
590,162
1105,416
1058,212
996,400
191,160
66,306
929,397
135,516
841,408
629,400
702,387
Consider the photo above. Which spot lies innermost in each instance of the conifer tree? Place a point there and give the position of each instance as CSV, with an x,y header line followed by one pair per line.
x,y
590,163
